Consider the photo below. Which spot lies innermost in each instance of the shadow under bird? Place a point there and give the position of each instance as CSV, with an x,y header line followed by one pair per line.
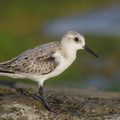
x,y
45,61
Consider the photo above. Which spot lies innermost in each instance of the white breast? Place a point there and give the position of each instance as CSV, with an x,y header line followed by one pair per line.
x,y
63,63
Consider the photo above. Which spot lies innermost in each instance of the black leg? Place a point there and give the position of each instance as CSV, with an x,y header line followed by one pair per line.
x,y
44,100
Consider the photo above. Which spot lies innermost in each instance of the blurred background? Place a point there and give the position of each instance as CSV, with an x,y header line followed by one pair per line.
x,y
28,23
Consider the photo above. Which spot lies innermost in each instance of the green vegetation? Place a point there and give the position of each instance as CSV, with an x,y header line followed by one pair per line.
x,y
21,24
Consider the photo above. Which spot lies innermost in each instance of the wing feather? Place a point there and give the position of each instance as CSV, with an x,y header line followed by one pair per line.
x,y
37,60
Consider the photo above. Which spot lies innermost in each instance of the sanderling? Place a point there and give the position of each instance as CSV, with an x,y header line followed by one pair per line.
x,y
45,61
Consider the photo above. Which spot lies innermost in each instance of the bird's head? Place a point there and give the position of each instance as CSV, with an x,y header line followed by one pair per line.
x,y
76,41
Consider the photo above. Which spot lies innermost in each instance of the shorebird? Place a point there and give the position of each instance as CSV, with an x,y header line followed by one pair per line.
x,y
45,61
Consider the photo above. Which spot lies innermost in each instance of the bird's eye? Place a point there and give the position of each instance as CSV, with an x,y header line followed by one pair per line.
x,y
76,39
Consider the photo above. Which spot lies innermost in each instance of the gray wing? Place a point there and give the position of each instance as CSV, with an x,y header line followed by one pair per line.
x,y
37,60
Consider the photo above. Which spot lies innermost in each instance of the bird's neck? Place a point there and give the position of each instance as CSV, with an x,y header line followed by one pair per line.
x,y
67,52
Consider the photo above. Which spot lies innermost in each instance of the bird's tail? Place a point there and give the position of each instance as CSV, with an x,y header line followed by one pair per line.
x,y
5,68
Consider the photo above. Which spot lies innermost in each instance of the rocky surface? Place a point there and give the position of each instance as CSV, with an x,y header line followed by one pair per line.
x,y
70,104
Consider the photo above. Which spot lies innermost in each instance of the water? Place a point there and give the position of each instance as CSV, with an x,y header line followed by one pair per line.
x,y
105,21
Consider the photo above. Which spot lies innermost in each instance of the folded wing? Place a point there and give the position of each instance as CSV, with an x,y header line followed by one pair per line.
x,y
39,60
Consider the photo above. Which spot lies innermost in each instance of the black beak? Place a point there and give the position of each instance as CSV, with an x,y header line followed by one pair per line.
x,y
90,51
